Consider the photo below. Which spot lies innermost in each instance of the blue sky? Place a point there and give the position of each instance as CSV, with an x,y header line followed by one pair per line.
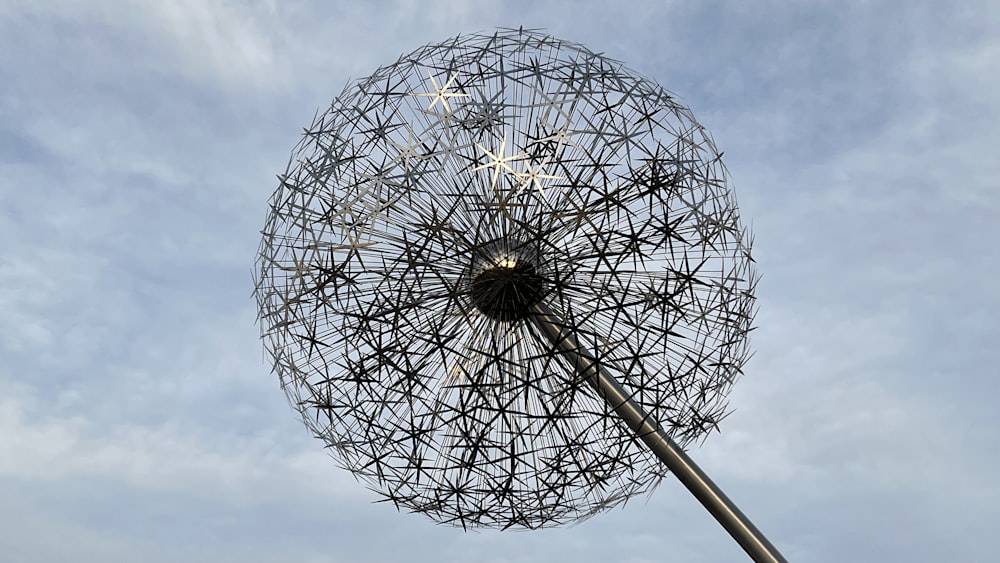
x,y
139,143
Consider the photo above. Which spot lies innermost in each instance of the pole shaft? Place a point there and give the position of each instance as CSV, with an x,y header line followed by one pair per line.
x,y
650,431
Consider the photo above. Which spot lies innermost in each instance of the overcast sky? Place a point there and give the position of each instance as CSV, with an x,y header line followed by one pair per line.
x,y
139,143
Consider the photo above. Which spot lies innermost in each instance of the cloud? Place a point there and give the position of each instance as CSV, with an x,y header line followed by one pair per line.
x,y
138,145
55,440
226,37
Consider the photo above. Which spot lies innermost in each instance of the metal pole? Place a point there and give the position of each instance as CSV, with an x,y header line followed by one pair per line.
x,y
710,496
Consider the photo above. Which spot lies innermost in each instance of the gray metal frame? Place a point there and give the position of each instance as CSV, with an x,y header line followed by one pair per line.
x,y
423,217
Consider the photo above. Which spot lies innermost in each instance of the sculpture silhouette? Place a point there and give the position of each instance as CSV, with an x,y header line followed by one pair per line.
x,y
504,280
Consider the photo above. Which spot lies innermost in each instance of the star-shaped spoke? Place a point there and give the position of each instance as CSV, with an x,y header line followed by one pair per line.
x,y
561,137
534,175
498,162
409,151
441,93
553,104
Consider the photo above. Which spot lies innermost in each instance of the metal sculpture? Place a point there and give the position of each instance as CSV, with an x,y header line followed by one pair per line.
x,y
497,267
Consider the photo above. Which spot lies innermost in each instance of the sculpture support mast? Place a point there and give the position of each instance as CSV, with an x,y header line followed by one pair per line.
x,y
652,434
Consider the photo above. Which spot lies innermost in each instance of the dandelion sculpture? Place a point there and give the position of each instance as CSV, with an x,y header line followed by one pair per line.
x,y
505,281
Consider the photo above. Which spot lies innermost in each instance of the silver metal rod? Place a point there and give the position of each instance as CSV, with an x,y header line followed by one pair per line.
x,y
650,431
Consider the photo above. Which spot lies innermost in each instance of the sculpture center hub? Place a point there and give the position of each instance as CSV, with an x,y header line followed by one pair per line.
x,y
506,288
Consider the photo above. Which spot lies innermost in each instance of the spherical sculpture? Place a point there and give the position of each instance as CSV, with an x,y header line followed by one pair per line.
x,y
429,215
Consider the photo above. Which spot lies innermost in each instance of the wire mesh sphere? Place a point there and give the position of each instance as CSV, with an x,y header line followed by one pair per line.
x,y
428,211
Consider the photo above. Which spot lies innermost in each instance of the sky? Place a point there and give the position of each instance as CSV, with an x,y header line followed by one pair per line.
x,y
140,141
